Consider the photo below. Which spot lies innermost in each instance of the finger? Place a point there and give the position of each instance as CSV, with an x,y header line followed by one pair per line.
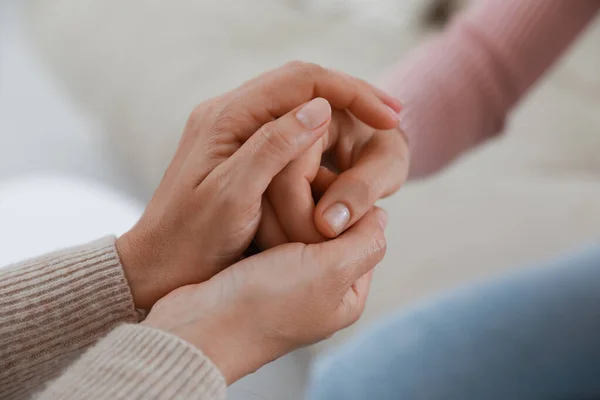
x,y
355,300
356,252
324,179
291,195
270,233
388,99
395,104
243,111
250,170
379,171
277,92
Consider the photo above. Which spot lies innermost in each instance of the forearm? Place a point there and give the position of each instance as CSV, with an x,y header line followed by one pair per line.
x,y
137,362
54,306
459,88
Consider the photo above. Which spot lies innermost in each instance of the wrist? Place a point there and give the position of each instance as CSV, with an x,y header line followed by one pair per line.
x,y
220,335
130,254
233,357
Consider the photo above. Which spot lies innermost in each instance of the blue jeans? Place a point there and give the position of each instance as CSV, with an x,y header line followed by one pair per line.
x,y
534,334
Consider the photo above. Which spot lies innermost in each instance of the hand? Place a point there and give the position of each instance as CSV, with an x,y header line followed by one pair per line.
x,y
208,206
270,304
373,164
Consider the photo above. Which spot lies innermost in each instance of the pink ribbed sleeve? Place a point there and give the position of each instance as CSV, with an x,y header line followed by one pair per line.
x,y
459,87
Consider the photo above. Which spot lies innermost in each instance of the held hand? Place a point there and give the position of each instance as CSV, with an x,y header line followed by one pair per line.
x,y
209,205
309,203
270,304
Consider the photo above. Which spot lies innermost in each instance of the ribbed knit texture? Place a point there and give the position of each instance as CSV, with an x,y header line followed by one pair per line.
x,y
460,86
54,306
138,362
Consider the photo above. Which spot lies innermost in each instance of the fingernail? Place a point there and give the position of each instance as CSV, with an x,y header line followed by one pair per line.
x,y
397,105
393,113
337,216
383,219
314,114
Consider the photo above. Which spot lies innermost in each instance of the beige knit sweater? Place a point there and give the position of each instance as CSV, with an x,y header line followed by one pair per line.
x,y
57,306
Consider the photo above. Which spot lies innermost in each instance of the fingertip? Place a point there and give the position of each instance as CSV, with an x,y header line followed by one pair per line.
x,y
394,104
388,99
382,117
384,114
392,118
324,228
314,114
314,118
322,225
336,217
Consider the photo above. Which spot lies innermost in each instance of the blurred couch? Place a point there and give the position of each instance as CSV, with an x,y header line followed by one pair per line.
x,y
142,66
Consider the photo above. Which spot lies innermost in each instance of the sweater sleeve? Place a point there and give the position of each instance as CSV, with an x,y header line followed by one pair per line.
x,y
137,362
54,306
459,87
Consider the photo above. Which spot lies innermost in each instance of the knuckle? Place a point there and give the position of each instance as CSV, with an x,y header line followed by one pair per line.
x,y
196,119
306,69
313,69
205,109
344,274
223,118
197,113
378,244
367,192
222,114
294,65
275,140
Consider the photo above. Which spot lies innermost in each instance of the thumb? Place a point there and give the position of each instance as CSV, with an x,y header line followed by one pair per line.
x,y
252,168
379,171
354,253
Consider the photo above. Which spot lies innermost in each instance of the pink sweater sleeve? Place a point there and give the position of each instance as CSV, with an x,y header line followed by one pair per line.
x,y
459,87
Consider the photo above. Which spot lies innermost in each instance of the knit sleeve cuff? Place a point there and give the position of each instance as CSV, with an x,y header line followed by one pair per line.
x,y
139,362
53,306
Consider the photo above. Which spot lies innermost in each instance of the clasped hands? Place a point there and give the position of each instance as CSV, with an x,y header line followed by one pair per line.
x,y
248,167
